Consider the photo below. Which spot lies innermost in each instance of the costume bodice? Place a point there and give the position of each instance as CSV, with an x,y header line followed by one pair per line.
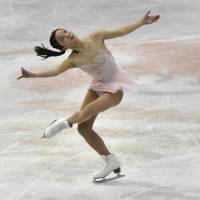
x,y
103,67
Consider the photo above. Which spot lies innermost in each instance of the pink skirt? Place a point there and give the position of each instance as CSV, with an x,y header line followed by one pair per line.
x,y
122,80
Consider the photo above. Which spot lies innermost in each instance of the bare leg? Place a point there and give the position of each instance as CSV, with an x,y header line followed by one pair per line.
x,y
100,104
78,117
85,128
85,118
94,140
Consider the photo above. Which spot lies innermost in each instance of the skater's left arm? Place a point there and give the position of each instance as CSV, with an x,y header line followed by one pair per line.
x,y
108,34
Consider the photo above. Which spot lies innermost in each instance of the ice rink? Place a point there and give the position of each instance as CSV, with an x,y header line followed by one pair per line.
x,y
154,132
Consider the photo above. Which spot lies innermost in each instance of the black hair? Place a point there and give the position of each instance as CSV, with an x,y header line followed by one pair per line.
x,y
43,52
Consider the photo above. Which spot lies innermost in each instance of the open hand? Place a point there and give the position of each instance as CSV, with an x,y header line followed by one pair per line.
x,y
25,74
150,19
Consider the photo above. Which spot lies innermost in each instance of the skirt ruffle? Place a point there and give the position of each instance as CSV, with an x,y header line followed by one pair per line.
x,y
122,80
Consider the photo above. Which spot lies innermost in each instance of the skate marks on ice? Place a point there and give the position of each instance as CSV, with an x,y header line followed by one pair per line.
x,y
47,174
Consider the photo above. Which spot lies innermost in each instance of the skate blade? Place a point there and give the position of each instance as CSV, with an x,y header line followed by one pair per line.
x,y
103,180
52,122
43,137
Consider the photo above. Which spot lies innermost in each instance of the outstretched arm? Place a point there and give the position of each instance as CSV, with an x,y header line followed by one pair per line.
x,y
49,72
108,34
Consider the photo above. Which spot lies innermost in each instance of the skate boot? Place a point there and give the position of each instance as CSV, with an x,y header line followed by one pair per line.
x,y
55,127
111,164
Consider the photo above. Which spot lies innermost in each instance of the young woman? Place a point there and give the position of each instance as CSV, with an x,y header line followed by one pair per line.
x,y
106,89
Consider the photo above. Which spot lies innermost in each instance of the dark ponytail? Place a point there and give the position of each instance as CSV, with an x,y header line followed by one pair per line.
x,y
43,52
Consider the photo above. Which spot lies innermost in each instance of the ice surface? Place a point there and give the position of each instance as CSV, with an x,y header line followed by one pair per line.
x,y
154,132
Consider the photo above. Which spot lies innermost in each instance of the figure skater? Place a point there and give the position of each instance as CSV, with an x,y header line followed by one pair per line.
x,y
106,88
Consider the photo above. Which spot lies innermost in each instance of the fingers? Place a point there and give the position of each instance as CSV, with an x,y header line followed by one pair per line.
x,y
148,13
23,70
157,16
154,17
20,77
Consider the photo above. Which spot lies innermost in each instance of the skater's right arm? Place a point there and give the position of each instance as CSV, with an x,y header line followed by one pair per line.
x,y
64,66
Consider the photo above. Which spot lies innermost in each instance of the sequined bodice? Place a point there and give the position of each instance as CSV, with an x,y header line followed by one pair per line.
x,y
103,66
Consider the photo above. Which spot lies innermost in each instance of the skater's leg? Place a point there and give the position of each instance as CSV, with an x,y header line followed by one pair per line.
x,y
98,105
95,141
91,137
85,128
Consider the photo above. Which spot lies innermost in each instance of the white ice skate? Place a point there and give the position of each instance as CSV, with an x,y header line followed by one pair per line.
x,y
111,164
55,127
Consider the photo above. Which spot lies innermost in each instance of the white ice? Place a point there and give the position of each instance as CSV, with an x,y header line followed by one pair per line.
x,y
154,132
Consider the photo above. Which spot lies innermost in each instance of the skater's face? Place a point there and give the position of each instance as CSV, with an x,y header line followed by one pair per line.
x,y
65,38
